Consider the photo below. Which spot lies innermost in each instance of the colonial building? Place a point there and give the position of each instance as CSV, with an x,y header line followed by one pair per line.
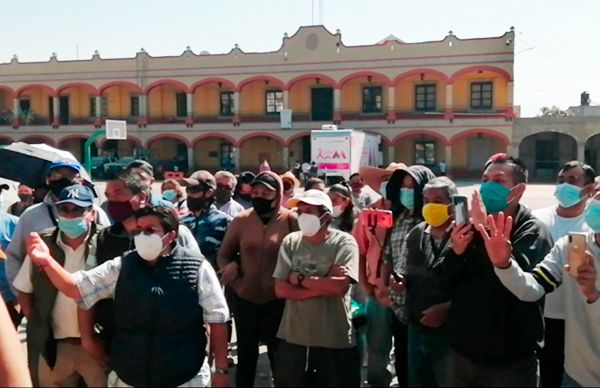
x,y
449,100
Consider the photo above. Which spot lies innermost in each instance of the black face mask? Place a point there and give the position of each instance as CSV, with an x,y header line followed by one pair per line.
x,y
262,206
25,197
245,197
57,186
198,204
222,195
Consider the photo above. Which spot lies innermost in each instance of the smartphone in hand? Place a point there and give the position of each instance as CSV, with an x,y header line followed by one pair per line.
x,y
461,209
577,248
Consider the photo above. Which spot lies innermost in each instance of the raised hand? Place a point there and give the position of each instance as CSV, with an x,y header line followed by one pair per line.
x,y
38,251
586,278
461,236
478,210
497,240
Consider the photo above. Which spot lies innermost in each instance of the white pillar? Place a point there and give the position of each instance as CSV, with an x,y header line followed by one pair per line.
x,y
337,99
391,156
581,152
98,103
143,101
16,107
286,157
190,158
391,99
236,158
448,156
236,102
449,96
56,108
286,99
188,101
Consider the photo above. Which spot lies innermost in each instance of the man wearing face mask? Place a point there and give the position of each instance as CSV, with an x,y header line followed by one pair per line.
x,y
581,308
61,174
25,200
574,184
405,192
145,171
315,269
226,183
361,197
207,223
56,356
163,295
125,195
247,259
427,300
243,190
493,335
371,242
290,182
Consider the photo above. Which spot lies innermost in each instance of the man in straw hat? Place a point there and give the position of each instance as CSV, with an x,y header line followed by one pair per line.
x,y
370,246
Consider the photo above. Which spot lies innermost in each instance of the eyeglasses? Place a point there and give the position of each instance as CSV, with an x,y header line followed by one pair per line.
x,y
224,187
72,209
147,231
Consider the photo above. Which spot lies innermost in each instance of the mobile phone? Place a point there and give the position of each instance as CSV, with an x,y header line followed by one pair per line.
x,y
577,247
461,209
377,218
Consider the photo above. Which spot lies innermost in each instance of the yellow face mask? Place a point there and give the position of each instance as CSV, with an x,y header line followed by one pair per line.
x,y
435,214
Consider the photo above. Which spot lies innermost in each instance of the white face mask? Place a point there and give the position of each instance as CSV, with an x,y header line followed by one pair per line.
x,y
309,224
148,246
337,211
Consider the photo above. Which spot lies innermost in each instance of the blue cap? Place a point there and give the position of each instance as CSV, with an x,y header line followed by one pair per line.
x,y
66,163
78,195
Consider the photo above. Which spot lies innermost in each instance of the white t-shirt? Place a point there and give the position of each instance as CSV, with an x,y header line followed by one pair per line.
x,y
64,314
558,227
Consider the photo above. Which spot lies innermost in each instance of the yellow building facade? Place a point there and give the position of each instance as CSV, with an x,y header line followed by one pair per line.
x,y
448,100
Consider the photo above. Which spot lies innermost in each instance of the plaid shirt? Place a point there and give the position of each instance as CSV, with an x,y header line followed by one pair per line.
x,y
395,256
428,250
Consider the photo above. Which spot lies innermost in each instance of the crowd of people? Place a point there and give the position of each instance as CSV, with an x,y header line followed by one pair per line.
x,y
142,290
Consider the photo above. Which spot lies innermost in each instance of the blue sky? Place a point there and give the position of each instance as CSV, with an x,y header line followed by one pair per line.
x,y
557,53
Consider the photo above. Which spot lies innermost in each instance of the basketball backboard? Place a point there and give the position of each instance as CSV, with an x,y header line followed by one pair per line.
x,y
116,129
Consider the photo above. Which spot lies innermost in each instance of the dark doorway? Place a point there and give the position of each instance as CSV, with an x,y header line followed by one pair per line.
x,y
63,115
305,148
227,157
322,104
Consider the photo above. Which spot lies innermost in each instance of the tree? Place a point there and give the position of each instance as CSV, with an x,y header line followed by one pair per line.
x,y
554,111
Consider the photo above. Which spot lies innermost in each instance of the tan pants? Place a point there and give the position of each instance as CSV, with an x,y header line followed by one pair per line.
x,y
71,363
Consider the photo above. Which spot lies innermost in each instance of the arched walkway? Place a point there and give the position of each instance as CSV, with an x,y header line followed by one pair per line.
x,y
545,152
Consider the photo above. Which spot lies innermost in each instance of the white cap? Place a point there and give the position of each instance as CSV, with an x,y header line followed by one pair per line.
x,y
312,197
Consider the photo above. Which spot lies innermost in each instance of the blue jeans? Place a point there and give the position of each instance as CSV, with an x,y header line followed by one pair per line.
x,y
379,343
427,359
569,382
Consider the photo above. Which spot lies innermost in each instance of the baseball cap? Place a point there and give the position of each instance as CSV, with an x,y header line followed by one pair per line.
x,y
270,181
66,163
142,165
200,177
246,177
312,197
78,195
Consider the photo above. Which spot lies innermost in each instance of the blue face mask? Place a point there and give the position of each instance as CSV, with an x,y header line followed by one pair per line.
x,y
494,196
568,195
169,195
407,198
592,215
73,227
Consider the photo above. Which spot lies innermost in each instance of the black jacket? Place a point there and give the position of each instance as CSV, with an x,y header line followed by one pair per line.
x,y
486,320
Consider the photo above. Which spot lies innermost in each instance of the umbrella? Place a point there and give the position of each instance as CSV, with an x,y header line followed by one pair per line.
x,y
29,163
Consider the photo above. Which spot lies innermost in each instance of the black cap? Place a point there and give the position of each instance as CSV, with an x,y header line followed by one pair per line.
x,y
246,177
4,186
272,182
143,165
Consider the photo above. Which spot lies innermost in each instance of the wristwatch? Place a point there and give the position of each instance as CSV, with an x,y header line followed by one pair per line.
x,y
221,371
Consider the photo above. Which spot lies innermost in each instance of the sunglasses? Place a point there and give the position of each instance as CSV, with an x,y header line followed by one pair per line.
x,y
72,209
196,189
